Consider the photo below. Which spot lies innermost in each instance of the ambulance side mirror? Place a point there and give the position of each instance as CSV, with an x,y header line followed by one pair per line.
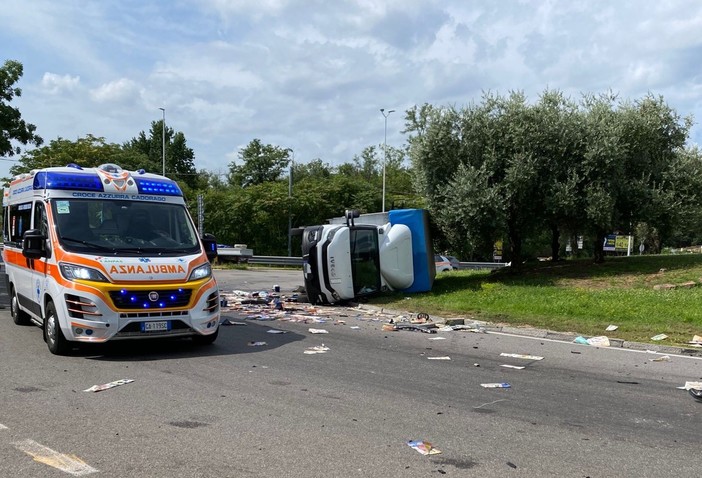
x,y
33,244
210,244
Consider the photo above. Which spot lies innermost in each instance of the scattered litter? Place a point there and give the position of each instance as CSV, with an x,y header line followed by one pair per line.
x,y
696,341
611,328
495,385
517,367
696,394
354,327
257,344
581,340
445,357
659,337
691,386
446,328
437,338
424,447
231,322
318,331
318,349
276,331
627,382
663,358
511,465
116,383
525,357
389,327
421,318
574,352
426,328
599,341
476,365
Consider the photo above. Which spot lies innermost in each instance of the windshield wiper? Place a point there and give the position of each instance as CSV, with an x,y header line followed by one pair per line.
x,y
89,244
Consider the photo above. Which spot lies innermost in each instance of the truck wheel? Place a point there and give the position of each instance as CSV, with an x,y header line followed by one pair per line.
x,y
205,339
57,343
19,317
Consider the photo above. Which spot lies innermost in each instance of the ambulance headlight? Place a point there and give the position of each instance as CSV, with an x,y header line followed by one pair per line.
x,y
73,272
202,272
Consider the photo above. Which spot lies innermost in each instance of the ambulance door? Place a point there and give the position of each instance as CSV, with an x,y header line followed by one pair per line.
x,y
18,266
39,266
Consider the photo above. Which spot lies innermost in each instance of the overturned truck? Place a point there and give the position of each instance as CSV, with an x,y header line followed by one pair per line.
x,y
360,255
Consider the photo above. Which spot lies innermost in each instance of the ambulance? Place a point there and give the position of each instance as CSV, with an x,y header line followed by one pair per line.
x,y
98,254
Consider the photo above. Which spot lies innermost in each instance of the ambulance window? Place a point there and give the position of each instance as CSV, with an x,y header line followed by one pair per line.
x,y
20,218
40,221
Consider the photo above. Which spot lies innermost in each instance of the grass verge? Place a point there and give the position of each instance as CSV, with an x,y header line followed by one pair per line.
x,y
575,296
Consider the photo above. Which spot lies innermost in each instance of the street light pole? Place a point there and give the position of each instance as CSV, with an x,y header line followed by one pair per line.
x,y
163,145
385,148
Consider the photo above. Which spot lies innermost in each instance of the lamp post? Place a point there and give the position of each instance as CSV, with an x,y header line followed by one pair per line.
x,y
163,137
385,148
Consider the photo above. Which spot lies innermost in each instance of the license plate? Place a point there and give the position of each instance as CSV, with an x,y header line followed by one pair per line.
x,y
161,326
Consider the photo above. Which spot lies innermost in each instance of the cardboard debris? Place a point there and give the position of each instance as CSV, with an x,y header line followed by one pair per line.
x,y
496,385
318,331
659,337
521,356
611,328
106,386
445,357
424,447
318,349
691,386
517,367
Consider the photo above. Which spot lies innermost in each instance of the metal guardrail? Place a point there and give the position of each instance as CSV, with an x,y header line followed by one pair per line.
x,y
297,261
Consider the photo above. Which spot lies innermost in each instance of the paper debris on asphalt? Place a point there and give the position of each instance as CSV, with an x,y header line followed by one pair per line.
x,y
276,331
517,367
662,358
440,358
599,341
318,349
257,344
522,356
318,331
611,328
424,447
231,322
445,328
659,337
354,327
437,338
116,383
691,386
495,385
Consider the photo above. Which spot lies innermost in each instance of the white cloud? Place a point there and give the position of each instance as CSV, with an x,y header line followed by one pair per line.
x,y
54,84
116,91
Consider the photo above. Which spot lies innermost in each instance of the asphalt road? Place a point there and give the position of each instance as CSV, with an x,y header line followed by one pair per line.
x,y
232,410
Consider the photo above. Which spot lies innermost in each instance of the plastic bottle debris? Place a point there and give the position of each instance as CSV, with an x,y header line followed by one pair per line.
x,y
424,447
516,367
440,358
521,356
116,383
611,328
659,337
496,385
257,344
318,331
318,349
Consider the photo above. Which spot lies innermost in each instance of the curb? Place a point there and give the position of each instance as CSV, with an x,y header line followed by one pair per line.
x,y
545,334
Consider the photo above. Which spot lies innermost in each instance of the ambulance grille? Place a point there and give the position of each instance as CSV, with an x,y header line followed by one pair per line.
x,y
150,299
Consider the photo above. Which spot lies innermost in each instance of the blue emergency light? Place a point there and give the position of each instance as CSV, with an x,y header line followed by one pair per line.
x,y
157,186
69,181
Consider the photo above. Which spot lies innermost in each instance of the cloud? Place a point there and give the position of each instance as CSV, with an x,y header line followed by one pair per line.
x,y
55,84
120,90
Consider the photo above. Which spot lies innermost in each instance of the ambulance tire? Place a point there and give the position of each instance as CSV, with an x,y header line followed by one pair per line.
x,y
57,343
19,317
205,339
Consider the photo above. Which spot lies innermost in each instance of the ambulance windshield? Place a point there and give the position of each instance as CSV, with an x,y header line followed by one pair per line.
x,y
124,227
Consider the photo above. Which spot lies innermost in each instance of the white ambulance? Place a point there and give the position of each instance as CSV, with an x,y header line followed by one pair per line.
x,y
97,254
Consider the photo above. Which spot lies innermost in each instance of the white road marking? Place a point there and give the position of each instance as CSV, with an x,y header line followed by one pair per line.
x,y
66,463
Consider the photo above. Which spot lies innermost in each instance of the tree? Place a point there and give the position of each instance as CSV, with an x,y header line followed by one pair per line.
x,y
260,163
180,164
12,126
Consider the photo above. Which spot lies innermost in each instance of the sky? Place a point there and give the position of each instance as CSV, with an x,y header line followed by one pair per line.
x,y
312,75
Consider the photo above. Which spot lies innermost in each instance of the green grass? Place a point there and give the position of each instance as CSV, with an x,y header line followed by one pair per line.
x,y
574,296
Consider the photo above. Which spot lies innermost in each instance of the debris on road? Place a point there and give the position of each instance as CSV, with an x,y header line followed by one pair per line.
x,y
116,383
599,341
522,356
231,322
437,338
444,357
424,447
659,337
318,349
696,394
516,367
662,358
257,344
318,331
696,341
581,340
611,328
496,385
276,331
691,386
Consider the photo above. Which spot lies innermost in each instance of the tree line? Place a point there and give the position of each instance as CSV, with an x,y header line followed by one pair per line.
x,y
534,175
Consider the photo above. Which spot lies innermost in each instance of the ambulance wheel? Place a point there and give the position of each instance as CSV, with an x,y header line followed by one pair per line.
x,y
57,343
205,339
19,316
